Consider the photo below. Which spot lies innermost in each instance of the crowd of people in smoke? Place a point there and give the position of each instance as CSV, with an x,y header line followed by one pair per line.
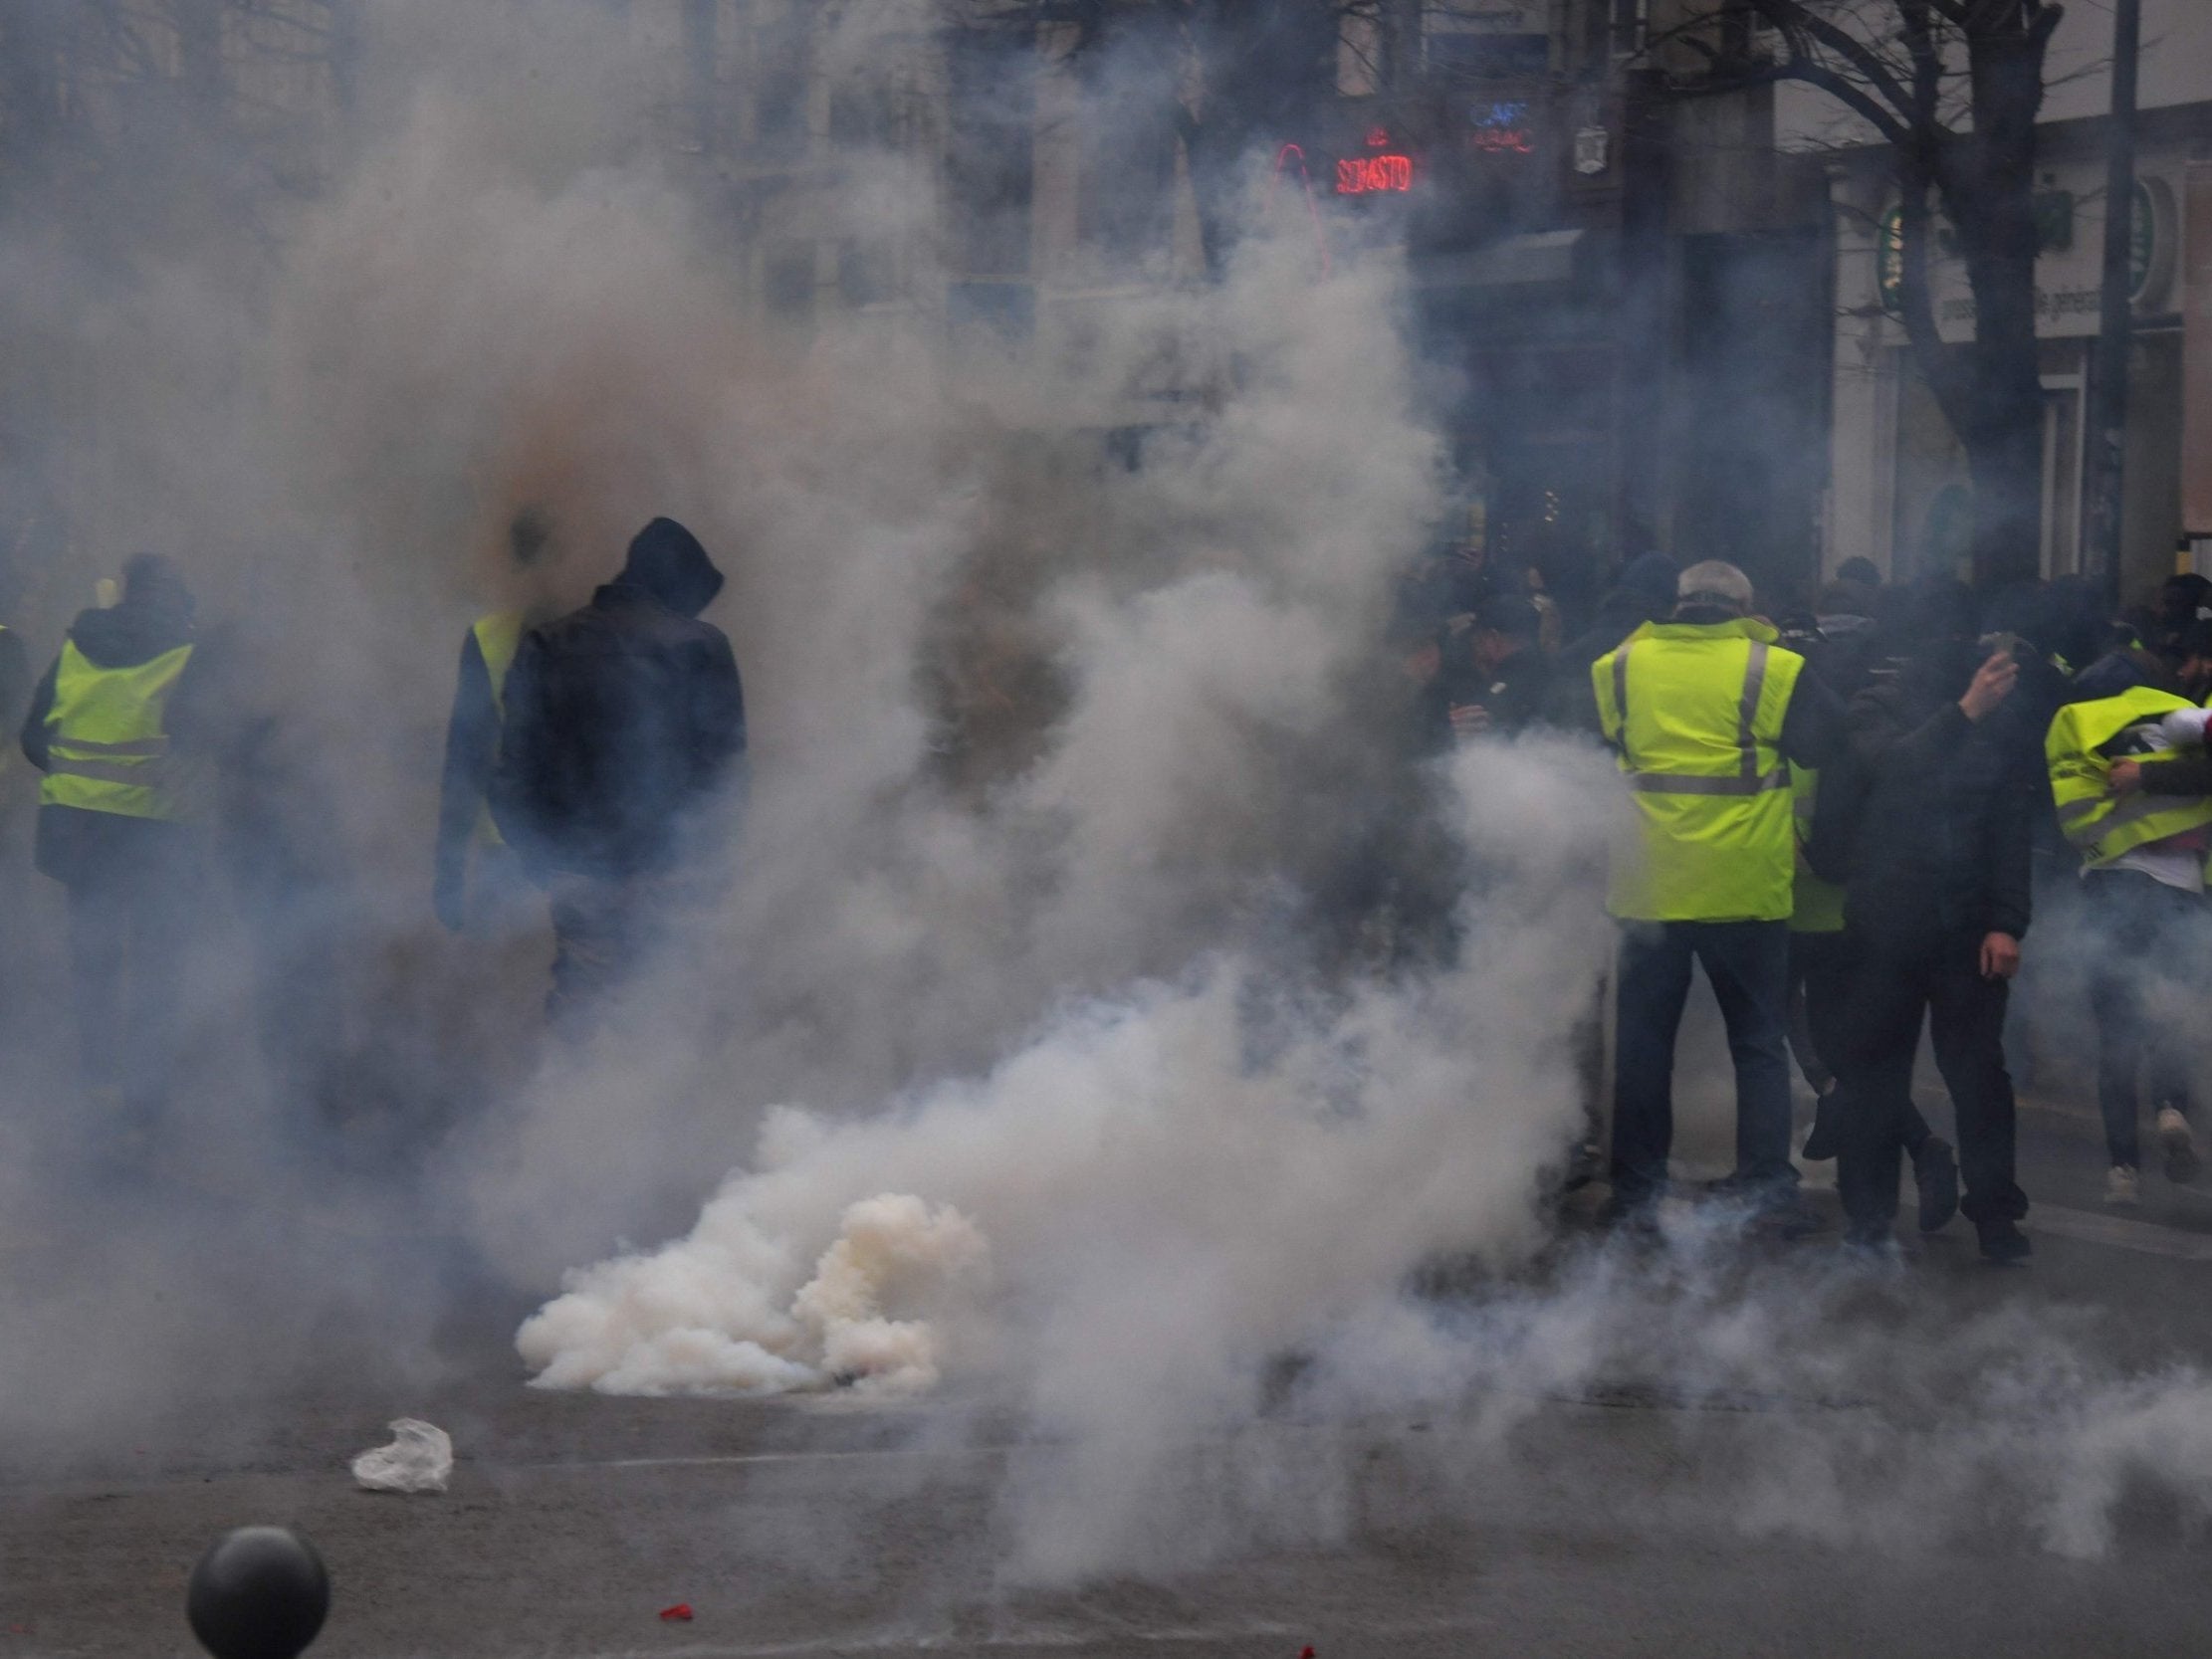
x,y
1846,813
578,753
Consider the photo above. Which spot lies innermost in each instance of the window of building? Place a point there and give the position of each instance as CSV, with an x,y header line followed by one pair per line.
x,y
1001,311
991,122
1131,141
1488,57
1125,214
787,281
863,114
782,60
866,272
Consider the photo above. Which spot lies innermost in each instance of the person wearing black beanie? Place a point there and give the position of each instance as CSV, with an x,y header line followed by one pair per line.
x,y
624,728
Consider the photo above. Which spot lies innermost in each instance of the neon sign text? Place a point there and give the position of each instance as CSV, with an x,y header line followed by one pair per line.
x,y
1500,129
1369,175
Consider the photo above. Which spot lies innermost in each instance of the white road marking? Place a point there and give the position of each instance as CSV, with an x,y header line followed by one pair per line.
x,y
722,1460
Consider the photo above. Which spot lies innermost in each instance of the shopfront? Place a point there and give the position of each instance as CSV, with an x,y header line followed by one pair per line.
x,y
1900,491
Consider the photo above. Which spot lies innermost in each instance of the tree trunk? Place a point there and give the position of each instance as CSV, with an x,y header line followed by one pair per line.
x,y
1991,199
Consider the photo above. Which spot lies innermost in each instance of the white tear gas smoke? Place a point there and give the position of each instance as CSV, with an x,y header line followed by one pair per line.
x,y
1040,1015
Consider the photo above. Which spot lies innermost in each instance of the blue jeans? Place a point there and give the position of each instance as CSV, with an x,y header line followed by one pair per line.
x,y
2145,940
1748,964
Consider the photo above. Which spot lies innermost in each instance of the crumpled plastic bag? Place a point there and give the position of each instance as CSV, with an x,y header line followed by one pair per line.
x,y
419,1458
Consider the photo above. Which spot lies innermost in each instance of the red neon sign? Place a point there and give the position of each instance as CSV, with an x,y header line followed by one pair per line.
x,y
1503,141
1369,175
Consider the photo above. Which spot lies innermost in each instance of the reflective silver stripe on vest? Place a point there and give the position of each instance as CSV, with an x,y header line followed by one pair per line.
x,y
1747,708
108,771
1747,780
134,746
1703,783
2134,811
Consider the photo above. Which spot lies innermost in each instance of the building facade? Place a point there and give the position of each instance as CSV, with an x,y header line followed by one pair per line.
x,y
1618,286
1900,491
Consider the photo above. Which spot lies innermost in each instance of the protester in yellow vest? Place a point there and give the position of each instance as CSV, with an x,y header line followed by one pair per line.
x,y
2134,786
1705,713
114,812
474,873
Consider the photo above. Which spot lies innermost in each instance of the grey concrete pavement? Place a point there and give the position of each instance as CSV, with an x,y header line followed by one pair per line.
x,y
1615,1515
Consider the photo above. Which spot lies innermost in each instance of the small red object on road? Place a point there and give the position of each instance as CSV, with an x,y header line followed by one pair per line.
x,y
1306,1653
679,1613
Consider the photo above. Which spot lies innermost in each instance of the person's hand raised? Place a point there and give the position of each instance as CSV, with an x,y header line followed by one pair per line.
x,y
1992,682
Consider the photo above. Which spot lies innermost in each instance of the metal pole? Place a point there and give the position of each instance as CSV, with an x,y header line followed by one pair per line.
x,y
2108,371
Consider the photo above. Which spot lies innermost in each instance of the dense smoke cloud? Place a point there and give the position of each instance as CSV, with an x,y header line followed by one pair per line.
x,y
1028,1054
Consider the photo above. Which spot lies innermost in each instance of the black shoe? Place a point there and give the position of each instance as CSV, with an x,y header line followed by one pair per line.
x,y
2003,1241
1819,1143
1936,1174
1629,1215
1786,1220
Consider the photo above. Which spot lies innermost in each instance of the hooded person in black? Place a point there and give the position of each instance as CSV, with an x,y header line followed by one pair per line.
x,y
1932,834
623,720
121,848
1645,592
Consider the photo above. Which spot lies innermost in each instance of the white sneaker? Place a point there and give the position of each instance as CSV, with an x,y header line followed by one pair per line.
x,y
2179,1145
2120,1186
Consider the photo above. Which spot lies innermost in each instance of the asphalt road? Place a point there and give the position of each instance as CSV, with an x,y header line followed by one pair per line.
x,y
1604,1515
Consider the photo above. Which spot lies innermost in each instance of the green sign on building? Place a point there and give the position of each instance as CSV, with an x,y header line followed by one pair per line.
x,y
1890,261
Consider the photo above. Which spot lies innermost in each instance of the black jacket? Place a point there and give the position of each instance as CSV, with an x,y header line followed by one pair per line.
x,y
622,718
1517,696
1934,814
1645,593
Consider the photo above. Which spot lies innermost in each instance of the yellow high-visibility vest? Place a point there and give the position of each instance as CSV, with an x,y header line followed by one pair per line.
x,y
107,748
2103,826
1816,905
497,637
1695,713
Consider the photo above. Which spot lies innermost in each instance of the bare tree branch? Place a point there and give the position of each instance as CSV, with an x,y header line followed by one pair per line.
x,y
1796,19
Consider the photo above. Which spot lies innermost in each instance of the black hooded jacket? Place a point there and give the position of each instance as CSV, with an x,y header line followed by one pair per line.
x,y
1931,822
621,718
1645,593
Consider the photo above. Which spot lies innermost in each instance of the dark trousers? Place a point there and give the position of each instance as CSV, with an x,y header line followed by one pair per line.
x,y
1892,986
602,927
2148,942
128,885
1748,964
1818,965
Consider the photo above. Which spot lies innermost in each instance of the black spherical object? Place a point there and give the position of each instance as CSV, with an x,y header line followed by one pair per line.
x,y
259,1592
